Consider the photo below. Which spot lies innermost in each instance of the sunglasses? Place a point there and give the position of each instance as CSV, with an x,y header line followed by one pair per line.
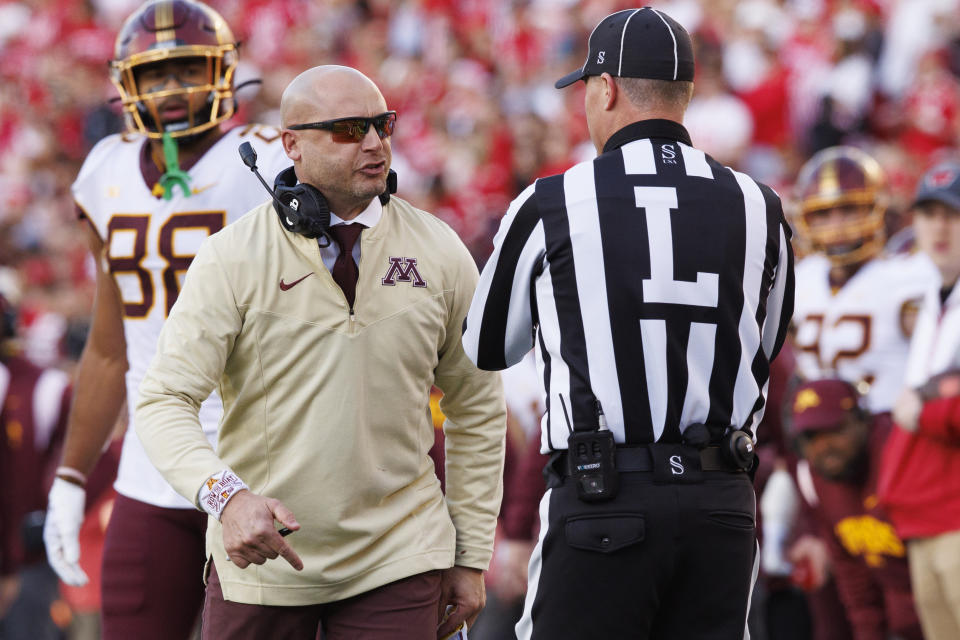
x,y
354,128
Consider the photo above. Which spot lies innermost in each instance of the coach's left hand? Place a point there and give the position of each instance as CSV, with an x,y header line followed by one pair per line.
x,y
462,588
249,533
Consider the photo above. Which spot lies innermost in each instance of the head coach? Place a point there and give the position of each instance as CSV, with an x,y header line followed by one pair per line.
x,y
656,286
324,355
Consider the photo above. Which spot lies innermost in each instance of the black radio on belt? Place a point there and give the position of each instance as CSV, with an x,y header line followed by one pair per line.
x,y
592,462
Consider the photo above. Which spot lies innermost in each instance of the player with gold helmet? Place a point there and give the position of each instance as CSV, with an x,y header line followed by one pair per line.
x,y
187,42
854,305
842,201
147,199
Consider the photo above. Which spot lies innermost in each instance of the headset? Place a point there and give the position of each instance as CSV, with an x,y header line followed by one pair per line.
x,y
301,207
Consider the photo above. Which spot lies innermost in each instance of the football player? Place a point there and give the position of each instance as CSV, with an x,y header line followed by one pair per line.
x,y
148,198
854,305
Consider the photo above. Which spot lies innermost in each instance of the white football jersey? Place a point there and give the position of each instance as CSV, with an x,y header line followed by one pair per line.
x,y
860,332
524,394
149,243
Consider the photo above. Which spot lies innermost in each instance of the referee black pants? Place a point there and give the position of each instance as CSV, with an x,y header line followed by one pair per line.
x,y
670,561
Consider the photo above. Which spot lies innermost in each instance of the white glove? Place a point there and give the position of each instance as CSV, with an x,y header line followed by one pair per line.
x,y
61,530
778,512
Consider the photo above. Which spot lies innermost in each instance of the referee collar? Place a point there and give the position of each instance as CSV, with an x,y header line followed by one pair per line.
x,y
648,129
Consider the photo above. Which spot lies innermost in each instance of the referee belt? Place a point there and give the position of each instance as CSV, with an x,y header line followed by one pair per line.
x,y
645,457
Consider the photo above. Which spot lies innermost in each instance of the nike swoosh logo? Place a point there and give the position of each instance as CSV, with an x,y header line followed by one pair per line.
x,y
285,287
197,190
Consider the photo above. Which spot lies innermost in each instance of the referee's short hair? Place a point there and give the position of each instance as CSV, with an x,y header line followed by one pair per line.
x,y
644,92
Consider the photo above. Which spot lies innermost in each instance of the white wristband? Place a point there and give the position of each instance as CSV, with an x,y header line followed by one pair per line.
x,y
72,475
217,491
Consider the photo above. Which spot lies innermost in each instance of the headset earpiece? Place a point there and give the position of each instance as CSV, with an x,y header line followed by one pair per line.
x,y
301,207
391,187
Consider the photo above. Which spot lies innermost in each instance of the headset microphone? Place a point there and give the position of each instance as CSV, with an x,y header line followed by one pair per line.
x,y
301,207
249,157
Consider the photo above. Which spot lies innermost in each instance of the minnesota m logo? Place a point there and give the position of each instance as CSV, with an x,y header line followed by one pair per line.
x,y
404,270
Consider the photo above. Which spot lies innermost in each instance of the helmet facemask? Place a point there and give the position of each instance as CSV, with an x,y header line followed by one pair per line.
x,y
173,33
848,180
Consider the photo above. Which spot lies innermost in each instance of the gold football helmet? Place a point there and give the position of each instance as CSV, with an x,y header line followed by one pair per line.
x,y
842,202
175,30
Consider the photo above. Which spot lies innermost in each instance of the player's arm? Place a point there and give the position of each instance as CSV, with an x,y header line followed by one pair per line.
x,y
99,387
97,399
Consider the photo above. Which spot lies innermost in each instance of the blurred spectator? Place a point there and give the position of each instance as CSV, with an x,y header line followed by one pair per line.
x,y
841,444
33,411
920,478
718,120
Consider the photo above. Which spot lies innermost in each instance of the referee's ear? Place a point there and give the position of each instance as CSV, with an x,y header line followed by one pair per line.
x,y
610,91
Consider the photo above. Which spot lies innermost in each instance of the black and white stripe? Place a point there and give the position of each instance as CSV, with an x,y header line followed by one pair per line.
x,y
652,278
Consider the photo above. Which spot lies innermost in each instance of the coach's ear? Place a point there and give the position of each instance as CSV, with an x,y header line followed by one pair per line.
x,y
291,144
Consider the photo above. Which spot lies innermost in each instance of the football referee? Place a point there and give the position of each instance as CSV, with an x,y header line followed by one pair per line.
x,y
656,286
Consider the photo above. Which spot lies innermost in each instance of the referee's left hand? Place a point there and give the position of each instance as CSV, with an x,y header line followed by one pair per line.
x,y
461,588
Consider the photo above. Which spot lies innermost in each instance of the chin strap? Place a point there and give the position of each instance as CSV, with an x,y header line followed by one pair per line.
x,y
173,176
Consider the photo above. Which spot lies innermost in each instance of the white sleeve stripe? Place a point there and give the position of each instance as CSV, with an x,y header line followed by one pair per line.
x,y
482,295
746,388
519,316
772,324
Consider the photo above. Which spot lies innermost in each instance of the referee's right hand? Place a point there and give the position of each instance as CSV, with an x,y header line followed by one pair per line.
x,y
249,533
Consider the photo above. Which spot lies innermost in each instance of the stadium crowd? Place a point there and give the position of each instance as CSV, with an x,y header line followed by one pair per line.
x,y
478,119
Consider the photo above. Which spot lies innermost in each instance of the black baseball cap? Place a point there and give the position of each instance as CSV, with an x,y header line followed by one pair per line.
x,y
940,184
637,43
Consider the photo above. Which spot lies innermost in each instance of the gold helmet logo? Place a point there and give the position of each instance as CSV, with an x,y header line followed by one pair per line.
x,y
806,399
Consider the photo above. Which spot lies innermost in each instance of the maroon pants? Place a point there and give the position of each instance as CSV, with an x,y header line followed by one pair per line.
x,y
152,571
402,610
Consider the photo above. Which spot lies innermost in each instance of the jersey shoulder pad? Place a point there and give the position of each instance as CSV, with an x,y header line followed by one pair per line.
x,y
103,153
812,265
265,139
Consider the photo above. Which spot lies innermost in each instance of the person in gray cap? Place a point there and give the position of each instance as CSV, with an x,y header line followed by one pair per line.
x,y
656,286
920,478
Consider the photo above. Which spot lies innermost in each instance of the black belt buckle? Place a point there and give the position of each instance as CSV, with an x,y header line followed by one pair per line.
x,y
675,463
592,463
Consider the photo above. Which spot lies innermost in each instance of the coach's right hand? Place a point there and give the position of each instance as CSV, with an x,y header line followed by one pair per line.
x,y
249,533
61,530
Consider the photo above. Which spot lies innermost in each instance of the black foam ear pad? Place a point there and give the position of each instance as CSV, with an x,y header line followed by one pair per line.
x,y
305,210
286,178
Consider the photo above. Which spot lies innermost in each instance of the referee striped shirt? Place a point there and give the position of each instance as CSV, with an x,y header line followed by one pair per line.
x,y
652,278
